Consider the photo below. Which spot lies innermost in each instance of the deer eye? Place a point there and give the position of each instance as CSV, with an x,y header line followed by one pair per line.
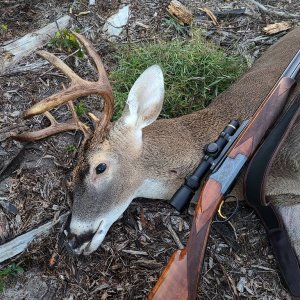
x,y
100,168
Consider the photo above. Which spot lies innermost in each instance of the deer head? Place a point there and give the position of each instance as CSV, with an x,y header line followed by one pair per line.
x,y
110,173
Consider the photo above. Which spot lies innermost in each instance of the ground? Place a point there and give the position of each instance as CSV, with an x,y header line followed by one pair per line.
x,y
239,262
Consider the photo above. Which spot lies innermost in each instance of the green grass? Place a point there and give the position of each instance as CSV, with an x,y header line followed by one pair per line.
x,y
3,27
80,109
71,148
10,270
195,72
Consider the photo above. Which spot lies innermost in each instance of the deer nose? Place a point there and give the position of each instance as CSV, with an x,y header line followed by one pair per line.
x,y
70,245
73,242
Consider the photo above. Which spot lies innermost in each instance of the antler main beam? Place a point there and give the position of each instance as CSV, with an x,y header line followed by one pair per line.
x,y
78,88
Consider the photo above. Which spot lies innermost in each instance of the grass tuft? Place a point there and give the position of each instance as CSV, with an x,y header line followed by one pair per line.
x,y
71,148
195,72
80,109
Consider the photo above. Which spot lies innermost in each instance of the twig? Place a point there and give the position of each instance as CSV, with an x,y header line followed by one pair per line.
x,y
100,288
230,281
134,252
234,231
274,12
175,236
264,268
211,16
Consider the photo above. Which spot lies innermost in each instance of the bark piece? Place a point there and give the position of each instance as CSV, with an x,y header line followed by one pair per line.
x,y
13,52
277,27
211,15
229,13
180,12
115,24
4,227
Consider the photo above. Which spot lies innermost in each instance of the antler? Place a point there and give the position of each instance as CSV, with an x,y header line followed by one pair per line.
x,y
78,88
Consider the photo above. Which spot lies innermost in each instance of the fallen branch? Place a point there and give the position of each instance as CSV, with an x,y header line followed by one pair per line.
x,y
20,243
175,236
230,281
273,11
13,52
19,69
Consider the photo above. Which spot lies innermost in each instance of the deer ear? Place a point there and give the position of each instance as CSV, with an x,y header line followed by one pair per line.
x,y
145,99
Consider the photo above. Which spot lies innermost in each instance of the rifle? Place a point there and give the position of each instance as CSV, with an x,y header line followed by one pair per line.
x,y
180,277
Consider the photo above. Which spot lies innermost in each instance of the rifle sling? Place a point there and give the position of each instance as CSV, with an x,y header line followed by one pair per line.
x,y
254,187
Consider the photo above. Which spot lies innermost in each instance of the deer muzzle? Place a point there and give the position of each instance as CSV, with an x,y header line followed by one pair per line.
x,y
83,243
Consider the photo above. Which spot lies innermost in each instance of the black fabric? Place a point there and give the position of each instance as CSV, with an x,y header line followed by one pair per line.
x,y
254,187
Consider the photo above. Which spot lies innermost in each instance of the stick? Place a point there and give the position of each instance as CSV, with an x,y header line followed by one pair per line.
x,y
175,236
273,11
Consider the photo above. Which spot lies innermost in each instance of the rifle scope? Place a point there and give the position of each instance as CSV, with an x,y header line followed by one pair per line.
x,y
185,193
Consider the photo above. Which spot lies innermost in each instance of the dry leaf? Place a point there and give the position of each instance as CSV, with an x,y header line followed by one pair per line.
x,y
7,55
104,296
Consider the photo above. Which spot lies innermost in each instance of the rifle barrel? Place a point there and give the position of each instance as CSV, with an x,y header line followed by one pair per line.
x,y
293,68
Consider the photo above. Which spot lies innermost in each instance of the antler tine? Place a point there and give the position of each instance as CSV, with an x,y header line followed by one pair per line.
x,y
107,95
59,64
55,127
79,89
96,58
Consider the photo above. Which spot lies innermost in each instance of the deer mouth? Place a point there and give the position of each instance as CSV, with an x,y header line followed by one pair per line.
x,y
85,243
95,242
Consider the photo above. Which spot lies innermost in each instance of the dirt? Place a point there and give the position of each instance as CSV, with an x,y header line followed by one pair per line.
x,y
238,254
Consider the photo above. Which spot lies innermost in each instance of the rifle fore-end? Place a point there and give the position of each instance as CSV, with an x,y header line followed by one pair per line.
x,y
179,278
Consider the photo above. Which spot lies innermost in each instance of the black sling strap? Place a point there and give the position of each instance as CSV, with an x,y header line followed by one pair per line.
x,y
254,187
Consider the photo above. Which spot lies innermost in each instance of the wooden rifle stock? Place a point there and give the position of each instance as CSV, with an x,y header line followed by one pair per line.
x,y
179,279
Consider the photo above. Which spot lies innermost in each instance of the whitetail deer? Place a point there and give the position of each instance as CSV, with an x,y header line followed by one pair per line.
x,y
139,156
